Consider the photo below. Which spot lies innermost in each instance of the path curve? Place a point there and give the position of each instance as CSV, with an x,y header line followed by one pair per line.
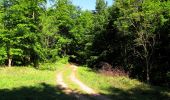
x,y
66,89
78,82
84,87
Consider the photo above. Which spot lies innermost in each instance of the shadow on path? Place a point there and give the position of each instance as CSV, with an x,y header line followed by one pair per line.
x,y
41,92
47,92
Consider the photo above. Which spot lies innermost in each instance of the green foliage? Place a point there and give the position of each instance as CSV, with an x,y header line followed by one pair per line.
x,y
140,19
98,44
2,55
21,29
82,36
131,34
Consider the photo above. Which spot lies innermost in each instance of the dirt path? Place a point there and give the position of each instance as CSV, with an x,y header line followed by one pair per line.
x,y
83,87
75,80
67,90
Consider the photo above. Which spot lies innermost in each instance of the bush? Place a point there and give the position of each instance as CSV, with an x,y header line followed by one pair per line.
x,y
53,66
47,66
107,69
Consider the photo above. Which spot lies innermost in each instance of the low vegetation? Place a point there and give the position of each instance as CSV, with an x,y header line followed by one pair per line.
x,y
120,87
24,76
24,83
27,83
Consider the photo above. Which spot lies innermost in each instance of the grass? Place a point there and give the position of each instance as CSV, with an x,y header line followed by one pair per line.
x,y
27,83
121,88
24,76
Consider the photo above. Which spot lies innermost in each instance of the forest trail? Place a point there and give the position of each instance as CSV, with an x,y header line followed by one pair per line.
x,y
78,82
90,92
67,90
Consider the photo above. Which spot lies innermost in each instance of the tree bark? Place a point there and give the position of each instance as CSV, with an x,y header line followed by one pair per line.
x,y
9,62
147,71
35,59
36,63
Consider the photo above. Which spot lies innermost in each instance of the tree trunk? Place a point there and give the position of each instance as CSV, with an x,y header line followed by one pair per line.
x,y
36,63
9,62
9,54
35,59
147,72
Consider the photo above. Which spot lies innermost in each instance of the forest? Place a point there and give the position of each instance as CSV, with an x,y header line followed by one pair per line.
x,y
132,35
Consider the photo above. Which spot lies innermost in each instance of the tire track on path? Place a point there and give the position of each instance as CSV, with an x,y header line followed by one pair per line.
x,y
63,86
85,88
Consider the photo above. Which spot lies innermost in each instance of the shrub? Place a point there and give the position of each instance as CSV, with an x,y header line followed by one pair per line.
x,y
107,69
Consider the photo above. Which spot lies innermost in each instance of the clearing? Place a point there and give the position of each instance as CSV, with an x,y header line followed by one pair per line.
x,y
73,83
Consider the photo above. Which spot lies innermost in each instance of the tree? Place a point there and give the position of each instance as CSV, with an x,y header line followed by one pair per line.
x,y
57,24
32,14
81,36
141,18
2,47
97,48
21,33
65,14
10,20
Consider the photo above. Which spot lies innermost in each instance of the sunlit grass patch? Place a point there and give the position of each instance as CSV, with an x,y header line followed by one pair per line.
x,y
28,83
24,76
53,66
121,88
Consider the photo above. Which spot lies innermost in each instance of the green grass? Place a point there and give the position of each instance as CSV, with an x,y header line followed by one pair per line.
x,y
27,83
24,76
59,65
121,88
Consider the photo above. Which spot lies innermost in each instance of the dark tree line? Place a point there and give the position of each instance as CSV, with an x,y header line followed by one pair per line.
x,y
132,34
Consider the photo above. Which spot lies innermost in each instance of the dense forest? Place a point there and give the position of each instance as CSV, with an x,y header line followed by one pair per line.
x,y
131,34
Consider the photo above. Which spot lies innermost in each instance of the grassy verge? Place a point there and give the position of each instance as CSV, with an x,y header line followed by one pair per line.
x,y
27,83
121,88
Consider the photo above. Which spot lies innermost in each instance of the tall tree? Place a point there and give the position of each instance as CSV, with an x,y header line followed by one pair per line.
x,y
57,25
10,20
21,29
141,18
34,11
2,47
82,36
100,23
65,14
